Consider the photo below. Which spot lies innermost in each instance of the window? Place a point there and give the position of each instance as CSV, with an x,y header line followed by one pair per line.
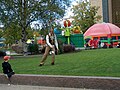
x,y
95,38
113,38
119,37
103,38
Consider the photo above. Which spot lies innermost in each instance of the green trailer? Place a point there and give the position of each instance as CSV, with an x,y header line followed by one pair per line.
x,y
75,39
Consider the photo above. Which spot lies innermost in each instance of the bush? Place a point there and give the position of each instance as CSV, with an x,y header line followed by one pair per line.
x,y
60,46
33,48
2,53
68,48
17,48
43,49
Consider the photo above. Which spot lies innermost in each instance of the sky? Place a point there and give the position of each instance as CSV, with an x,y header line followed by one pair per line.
x,y
68,13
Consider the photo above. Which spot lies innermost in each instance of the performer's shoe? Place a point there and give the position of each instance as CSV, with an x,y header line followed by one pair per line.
x,y
41,64
52,63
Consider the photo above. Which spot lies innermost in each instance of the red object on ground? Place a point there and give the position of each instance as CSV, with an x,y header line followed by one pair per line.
x,y
42,42
95,43
90,43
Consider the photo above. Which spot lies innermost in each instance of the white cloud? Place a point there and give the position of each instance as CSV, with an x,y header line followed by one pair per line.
x,y
68,11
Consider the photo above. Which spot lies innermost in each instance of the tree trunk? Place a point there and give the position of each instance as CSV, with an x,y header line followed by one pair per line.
x,y
24,39
23,22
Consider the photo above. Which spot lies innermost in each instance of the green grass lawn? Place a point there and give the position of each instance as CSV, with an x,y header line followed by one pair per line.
x,y
98,62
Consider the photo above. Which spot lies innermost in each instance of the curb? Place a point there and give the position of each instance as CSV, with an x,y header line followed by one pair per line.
x,y
88,82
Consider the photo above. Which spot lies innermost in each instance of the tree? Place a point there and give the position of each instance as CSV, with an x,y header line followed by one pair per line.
x,y
23,12
85,15
12,34
1,33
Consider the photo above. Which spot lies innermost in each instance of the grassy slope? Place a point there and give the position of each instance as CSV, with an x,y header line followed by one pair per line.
x,y
99,62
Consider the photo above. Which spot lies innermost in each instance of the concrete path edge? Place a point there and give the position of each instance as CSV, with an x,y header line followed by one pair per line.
x,y
88,82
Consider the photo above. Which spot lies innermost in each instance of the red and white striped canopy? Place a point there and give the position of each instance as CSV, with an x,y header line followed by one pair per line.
x,y
102,29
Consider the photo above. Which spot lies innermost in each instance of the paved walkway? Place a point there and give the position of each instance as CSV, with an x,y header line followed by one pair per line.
x,y
26,87
58,82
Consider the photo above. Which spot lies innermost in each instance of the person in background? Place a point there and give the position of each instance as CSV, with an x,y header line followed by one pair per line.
x,y
111,45
51,44
118,45
105,45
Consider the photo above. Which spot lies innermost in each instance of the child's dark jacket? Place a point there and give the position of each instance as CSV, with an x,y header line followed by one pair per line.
x,y
6,68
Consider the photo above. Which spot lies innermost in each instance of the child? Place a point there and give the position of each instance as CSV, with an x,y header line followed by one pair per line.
x,y
7,70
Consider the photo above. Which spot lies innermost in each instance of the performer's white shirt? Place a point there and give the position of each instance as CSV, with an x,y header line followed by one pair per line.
x,y
55,40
